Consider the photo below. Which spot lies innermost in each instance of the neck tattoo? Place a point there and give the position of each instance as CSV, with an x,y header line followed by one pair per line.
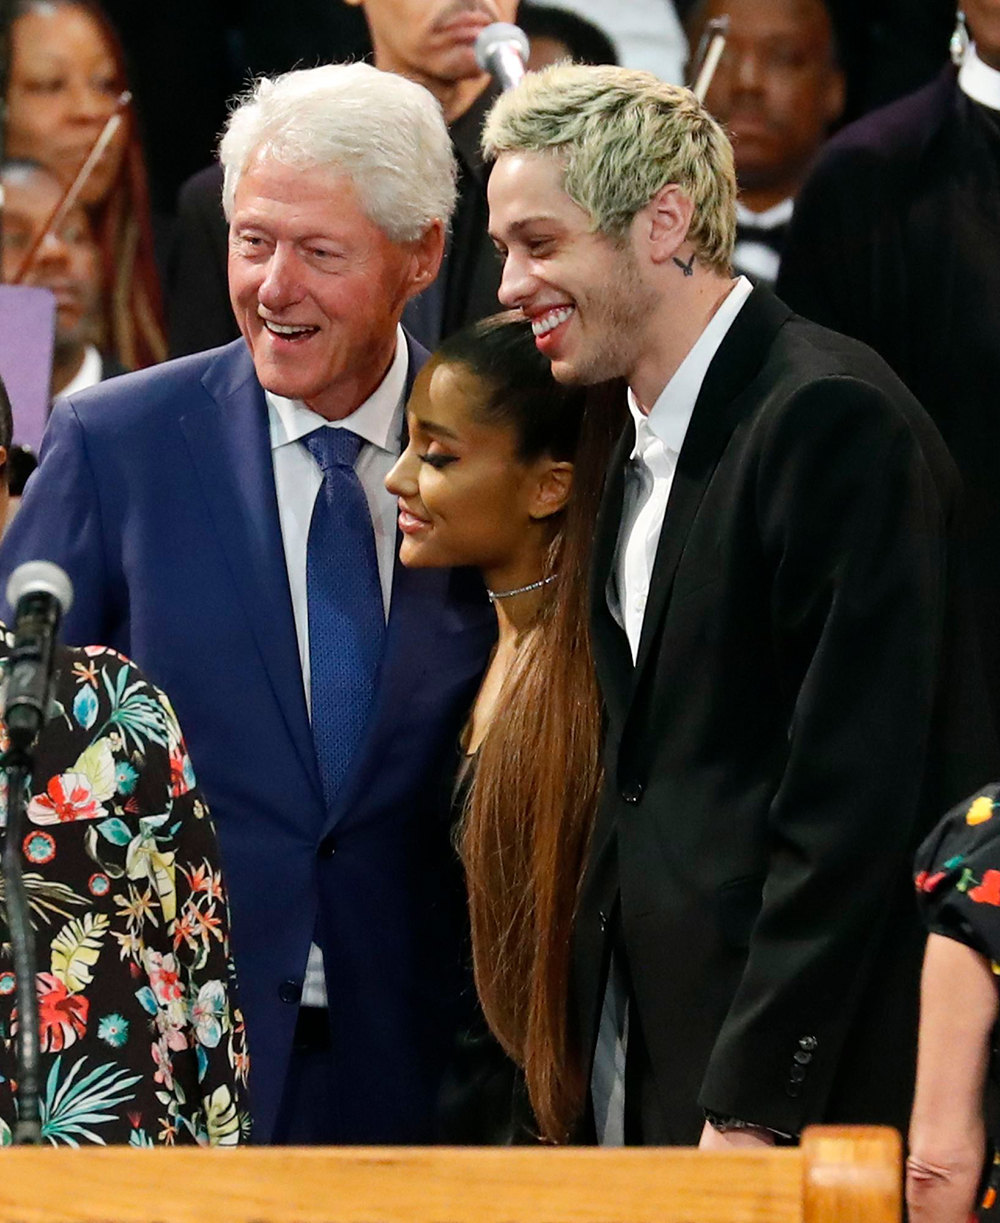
x,y
686,268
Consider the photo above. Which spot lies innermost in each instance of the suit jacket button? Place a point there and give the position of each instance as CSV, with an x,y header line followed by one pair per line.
x,y
803,1058
793,1090
808,1044
797,1074
327,847
290,991
632,792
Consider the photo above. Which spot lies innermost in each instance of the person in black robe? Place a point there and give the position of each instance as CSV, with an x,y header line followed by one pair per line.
x,y
896,241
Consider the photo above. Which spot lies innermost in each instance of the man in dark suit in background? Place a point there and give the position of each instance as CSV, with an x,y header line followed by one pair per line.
x,y
224,521
779,633
431,43
896,241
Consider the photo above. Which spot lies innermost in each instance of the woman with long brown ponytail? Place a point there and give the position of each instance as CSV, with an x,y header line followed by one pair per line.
x,y
503,472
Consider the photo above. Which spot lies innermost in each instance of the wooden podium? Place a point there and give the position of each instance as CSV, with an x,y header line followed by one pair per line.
x,y
838,1175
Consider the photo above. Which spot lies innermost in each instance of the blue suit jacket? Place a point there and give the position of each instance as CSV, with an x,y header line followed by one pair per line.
x,y
156,493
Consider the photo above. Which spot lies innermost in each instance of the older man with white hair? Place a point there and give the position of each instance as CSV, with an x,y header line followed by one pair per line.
x,y
224,522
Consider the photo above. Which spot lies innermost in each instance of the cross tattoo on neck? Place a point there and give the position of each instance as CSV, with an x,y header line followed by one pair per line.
x,y
686,268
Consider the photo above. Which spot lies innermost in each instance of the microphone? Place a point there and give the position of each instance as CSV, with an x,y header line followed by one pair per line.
x,y
41,594
502,51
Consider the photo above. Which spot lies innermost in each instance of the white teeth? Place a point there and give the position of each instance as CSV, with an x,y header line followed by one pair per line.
x,y
283,329
547,322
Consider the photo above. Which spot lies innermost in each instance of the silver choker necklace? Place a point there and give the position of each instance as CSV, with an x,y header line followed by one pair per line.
x,y
520,590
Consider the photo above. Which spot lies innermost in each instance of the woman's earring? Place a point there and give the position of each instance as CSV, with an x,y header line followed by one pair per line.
x,y
959,44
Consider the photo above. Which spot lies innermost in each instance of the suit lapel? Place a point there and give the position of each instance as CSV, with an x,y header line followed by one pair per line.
x,y
230,446
612,657
416,606
716,412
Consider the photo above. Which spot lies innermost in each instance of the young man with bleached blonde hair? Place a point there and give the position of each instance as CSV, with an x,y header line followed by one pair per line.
x,y
615,158
779,634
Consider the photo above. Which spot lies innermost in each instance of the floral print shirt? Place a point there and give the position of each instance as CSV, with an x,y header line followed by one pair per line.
x,y
141,1039
958,874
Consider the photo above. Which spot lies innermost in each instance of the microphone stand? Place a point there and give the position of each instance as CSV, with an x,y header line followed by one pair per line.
x,y
40,593
17,763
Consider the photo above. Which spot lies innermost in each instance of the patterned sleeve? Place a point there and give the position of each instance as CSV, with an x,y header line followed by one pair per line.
x,y
958,874
200,962
142,1040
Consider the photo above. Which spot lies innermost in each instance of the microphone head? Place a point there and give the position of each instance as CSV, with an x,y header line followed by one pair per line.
x,y
40,577
497,35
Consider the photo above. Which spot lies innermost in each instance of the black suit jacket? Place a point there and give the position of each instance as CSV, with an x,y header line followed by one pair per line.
x,y
803,707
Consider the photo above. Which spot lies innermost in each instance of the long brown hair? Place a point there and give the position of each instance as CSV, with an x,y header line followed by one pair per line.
x,y
527,821
132,320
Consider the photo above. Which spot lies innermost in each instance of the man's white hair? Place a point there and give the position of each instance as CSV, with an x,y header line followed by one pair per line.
x,y
386,133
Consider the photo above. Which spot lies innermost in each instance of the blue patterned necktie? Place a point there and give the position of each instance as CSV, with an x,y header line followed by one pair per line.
x,y
346,617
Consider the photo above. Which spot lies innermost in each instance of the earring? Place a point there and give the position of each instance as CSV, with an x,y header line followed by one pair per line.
x,y
959,44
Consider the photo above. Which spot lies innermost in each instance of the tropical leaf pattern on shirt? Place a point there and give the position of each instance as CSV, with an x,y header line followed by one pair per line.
x,y
75,950
141,1038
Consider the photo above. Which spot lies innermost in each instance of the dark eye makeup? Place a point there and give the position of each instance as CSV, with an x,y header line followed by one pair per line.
x,y
438,460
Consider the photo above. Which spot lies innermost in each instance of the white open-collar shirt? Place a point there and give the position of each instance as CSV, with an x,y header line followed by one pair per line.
x,y
659,436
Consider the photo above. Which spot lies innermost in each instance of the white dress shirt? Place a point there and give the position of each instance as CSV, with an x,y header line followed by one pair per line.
x,y
89,374
297,481
659,437
979,81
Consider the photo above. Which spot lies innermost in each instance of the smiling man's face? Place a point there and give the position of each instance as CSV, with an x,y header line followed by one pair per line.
x,y
316,286
582,291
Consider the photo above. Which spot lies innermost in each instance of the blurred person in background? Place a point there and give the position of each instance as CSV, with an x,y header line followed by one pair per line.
x,y
431,42
67,264
555,33
777,91
66,75
895,241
